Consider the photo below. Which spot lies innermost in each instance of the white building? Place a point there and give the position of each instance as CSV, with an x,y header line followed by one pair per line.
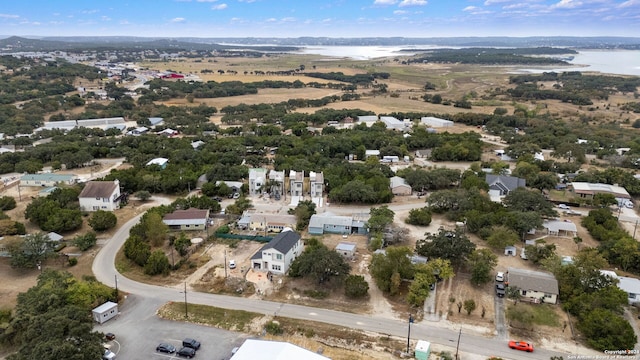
x,y
435,122
257,179
278,254
105,312
253,349
100,195
296,183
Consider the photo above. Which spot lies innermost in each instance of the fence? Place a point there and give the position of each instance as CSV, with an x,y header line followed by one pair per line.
x,y
244,237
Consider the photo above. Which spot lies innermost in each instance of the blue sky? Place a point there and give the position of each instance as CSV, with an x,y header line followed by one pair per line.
x,y
334,18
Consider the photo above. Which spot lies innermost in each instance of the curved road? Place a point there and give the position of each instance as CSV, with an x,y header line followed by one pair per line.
x,y
105,272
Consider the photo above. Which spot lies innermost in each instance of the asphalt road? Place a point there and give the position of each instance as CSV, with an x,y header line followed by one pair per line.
x,y
139,319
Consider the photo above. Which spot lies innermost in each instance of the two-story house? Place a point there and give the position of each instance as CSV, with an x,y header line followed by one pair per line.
x,y
278,254
296,183
100,195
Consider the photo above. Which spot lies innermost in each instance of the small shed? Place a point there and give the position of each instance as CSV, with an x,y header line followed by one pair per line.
x,y
510,251
105,312
346,249
423,350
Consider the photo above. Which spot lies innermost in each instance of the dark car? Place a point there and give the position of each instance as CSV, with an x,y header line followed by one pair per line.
x,y
109,336
191,343
186,352
500,290
166,348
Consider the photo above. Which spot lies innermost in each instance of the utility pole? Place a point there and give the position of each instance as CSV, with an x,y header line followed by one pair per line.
x,y
458,346
409,332
634,230
186,311
225,264
116,278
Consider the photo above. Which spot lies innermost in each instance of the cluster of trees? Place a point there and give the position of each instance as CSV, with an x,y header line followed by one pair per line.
x,y
357,79
52,319
59,212
492,56
303,212
616,245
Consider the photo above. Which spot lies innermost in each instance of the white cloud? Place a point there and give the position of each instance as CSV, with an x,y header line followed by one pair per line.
x,y
124,22
206,0
89,11
400,12
629,3
178,20
471,8
491,2
9,16
271,20
324,21
219,7
288,19
566,4
105,18
413,3
384,2
247,1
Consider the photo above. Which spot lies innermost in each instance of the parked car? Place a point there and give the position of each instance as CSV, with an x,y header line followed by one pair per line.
x,y
186,352
564,206
191,343
110,336
500,276
166,348
521,345
500,290
108,355
523,254
236,195
232,264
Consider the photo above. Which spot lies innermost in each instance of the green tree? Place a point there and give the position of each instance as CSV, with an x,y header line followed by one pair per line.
x,y
31,250
142,195
137,250
482,262
7,203
320,264
355,286
390,268
421,217
85,242
102,220
157,264
303,212
419,289
454,246
380,218
525,200
604,330
469,306
155,230
501,237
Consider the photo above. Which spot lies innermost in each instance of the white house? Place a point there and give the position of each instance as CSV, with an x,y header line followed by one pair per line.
x,y
278,254
399,186
47,180
631,286
535,286
105,312
296,182
257,179
435,122
162,162
100,195
253,349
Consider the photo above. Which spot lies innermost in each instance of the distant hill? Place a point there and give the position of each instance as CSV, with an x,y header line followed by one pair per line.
x,y
288,44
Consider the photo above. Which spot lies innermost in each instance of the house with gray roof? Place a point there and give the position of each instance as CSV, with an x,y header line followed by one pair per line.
x,y
100,195
399,186
631,286
346,249
502,185
534,286
278,254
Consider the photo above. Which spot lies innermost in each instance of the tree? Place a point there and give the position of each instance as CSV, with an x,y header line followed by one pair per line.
x,y
155,230
7,203
451,245
85,242
102,220
482,263
419,289
537,253
157,264
525,200
355,286
421,217
181,244
390,268
604,200
303,212
469,306
137,250
142,195
380,218
513,293
51,319
319,263
501,237
605,329
30,251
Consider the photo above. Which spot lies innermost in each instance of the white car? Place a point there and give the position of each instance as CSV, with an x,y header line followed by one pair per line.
x,y
500,276
564,206
232,264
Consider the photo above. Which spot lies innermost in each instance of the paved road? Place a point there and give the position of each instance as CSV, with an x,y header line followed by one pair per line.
x,y
150,296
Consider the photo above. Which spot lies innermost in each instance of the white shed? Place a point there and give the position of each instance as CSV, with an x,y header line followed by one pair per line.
x,y
105,312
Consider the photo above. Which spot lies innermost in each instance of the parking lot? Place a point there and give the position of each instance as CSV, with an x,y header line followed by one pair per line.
x,y
137,336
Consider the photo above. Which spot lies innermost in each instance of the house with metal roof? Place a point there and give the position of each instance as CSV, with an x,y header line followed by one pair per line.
x,y
368,119
278,254
329,223
162,162
271,222
189,219
534,286
346,249
399,186
47,180
253,349
502,185
585,190
100,195
631,286
560,228
435,122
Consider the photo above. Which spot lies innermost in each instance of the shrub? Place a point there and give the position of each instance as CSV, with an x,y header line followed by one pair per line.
x,y
73,261
273,328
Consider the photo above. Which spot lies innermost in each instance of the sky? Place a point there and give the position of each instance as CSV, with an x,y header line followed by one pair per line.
x,y
330,18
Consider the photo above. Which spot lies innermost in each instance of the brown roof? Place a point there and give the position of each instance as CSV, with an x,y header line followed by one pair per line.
x,y
187,214
533,280
99,189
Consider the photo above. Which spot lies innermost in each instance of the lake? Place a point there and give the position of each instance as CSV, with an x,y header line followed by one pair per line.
x,y
622,62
